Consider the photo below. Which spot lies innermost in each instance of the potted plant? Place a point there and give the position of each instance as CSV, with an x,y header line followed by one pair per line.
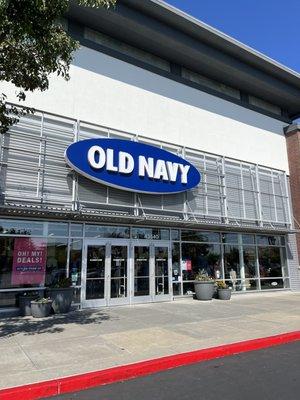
x,y
204,286
224,292
62,295
25,300
41,308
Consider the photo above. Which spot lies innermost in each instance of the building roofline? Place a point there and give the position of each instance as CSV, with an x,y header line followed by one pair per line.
x,y
161,29
217,36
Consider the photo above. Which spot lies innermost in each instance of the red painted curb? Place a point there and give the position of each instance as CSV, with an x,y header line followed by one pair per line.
x,y
91,379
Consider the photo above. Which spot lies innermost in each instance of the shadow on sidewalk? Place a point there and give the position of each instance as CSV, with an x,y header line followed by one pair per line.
x,y
53,324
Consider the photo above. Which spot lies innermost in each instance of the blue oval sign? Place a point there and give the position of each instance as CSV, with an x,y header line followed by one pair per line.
x,y
132,166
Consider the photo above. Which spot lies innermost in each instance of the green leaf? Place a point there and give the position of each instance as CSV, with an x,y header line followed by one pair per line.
x,y
33,45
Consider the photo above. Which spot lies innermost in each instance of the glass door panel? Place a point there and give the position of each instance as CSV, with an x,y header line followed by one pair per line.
x,y
249,269
141,271
232,266
161,267
119,274
95,272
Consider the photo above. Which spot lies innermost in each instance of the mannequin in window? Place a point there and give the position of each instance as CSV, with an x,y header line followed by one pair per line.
x,y
232,274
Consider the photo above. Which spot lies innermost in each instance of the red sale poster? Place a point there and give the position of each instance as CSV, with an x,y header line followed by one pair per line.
x,y
188,265
29,262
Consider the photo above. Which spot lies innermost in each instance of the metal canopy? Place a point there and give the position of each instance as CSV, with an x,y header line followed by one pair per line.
x,y
106,217
163,30
233,193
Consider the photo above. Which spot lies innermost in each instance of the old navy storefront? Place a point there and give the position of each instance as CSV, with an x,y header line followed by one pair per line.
x,y
111,265
164,155
130,221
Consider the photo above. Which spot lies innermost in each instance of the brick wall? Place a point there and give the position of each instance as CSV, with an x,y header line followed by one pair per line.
x,y
293,148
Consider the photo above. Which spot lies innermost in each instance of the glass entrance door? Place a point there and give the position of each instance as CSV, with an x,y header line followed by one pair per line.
x,y
141,274
94,275
119,289
105,274
115,273
152,272
162,272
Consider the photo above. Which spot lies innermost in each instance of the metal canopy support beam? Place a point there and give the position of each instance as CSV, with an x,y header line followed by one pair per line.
x,y
225,205
274,196
259,205
38,193
287,198
75,205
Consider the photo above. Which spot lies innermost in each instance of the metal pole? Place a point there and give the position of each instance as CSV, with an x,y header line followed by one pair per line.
x,y
259,205
225,205
40,157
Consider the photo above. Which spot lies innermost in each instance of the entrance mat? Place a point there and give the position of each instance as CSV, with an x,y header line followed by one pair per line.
x,y
125,372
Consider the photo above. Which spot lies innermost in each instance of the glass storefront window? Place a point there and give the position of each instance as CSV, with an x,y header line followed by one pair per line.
x,y
268,240
176,274
56,260
76,230
267,284
241,285
6,262
196,236
249,256
150,233
15,227
248,239
269,262
229,237
11,299
188,288
98,231
175,234
176,289
282,240
22,262
75,261
31,262
200,258
232,263
58,229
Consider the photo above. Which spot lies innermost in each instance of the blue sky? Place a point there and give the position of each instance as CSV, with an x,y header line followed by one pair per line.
x,y
269,26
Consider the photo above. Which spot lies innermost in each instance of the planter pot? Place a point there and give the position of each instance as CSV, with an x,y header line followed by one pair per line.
x,y
40,310
25,304
224,294
204,290
62,299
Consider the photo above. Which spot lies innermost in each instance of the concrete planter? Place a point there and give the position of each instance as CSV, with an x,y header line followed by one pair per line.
x,y
204,290
25,301
25,304
62,299
224,294
41,310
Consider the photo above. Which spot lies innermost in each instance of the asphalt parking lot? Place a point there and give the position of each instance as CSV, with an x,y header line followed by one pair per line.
x,y
269,374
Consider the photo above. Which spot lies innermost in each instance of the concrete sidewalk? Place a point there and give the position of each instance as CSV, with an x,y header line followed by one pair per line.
x,y
33,350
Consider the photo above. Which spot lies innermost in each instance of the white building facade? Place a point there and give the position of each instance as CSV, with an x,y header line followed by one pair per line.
x,y
173,86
